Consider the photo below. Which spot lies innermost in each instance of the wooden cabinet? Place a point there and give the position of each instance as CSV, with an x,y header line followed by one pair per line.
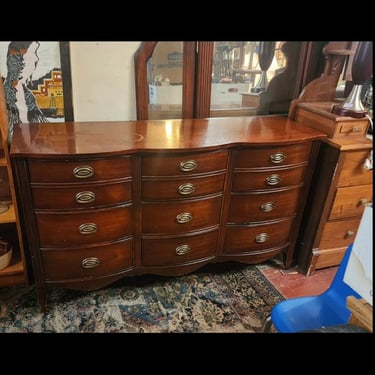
x,y
115,199
340,190
10,227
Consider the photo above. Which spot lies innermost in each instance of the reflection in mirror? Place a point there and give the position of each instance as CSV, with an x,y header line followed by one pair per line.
x,y
165,80
241,71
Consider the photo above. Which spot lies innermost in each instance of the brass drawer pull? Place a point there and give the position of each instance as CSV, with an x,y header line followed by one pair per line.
x,y
262,237
365,202
274,179
277,158
184,217
186,189
349,233
83,171
188,165
90,262
88,228
267,207
182,250
356,130
84,197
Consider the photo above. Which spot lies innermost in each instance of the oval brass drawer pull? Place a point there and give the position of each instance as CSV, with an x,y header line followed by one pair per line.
x,y
186,189
365,202
183,249
83,171
262,237
84,197
267,207
274,179
277,158
188,165
88,228
349,233
90,262
184,217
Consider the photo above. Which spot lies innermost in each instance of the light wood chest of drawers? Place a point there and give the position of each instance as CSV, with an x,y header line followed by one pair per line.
x,y
105,200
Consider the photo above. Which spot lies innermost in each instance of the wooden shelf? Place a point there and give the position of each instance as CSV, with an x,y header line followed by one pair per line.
x,y
14,273
8,216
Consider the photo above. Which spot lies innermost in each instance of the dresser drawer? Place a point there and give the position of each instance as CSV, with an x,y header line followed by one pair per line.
x,y
352,171
273,156
170,251
180,217
339,233
82,196
350,201
87,262
53,171
66,229
240,238
178,188
183,164
246,208
245,181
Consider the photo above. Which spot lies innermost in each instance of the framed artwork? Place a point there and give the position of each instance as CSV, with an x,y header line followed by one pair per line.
x,y
37,84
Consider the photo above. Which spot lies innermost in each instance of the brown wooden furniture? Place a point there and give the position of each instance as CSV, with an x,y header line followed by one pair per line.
x,y
340,190
361,313
103,200
10,228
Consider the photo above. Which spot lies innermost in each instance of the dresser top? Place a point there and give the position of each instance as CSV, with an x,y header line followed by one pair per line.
x,y
117,137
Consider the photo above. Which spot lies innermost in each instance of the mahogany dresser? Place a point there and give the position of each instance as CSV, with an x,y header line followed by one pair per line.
x,y
341,187
104,200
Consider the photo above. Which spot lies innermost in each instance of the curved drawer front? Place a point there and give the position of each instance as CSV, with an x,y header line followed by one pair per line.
x,y
83,170
180,217
339,233
246,208
182,188
62,229
89,262
183,164
273,156
351,201
239,239
83,196
245,181
175,251
352,171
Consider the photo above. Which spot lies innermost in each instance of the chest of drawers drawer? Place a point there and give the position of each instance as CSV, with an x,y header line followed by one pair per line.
x,y
80,196
64,171
181,217
179,188
87,262
169,251
72,228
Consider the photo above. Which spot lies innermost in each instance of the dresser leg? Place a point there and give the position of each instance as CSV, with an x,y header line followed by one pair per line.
x,y
42,296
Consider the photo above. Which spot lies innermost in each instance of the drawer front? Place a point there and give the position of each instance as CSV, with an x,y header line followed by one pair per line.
x,y
79,171
273,156
339,233
182,188
82,196
244,239
245,181
352,171
174,251
180,217
246,208
350,201
88,262
183,164
353,128
62,229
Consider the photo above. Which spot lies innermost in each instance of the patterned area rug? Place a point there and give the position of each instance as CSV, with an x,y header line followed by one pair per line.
x,y
222,298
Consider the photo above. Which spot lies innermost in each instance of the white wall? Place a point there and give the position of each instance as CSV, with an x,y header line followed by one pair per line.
x,y
103,85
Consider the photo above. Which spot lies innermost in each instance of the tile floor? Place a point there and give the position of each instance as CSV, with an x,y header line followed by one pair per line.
x,y
291,283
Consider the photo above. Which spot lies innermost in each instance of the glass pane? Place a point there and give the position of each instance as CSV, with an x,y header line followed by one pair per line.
x,y
239,75
165,80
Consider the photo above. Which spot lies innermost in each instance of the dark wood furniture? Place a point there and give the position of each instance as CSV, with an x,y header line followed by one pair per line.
x,y
341,187
103,200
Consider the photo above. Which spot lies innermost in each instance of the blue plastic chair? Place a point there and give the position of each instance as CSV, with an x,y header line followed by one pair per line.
x,y
315,312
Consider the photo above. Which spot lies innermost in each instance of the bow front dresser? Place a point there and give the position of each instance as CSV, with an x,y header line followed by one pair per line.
x,y
104,200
